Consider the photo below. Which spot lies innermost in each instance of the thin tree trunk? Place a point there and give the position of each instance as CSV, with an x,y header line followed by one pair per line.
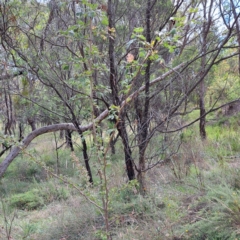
x,y
202,89
68,137
61,134
12,120
20,131
64,126
84,151
143,115
113,83
57,155
112,143
7,128
127,150
202,121
32,123
86,159
236,17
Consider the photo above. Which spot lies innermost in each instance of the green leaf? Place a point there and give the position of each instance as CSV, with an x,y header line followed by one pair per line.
x,y
65,67
128,99
193,10
141,37
105,20
142,53
138,30
173,32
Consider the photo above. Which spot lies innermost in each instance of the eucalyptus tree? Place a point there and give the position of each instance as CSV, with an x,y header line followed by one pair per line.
x,y
213,27
42,50
133,64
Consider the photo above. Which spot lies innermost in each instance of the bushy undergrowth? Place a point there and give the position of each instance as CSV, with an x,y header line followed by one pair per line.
x,y
75,220
30,200
219,216
196,195
37,197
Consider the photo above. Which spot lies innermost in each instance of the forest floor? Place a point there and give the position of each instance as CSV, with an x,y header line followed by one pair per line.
x,y
195,195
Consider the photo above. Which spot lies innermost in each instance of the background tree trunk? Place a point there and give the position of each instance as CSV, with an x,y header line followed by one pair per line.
x,y
207,23
68,137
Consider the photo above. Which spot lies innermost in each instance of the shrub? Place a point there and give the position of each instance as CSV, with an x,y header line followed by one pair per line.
x,y
52,191
75,221
25,170
8,187
42,194
220,216
29,200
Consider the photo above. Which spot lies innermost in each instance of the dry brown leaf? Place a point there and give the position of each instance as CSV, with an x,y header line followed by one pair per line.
x,y
130,58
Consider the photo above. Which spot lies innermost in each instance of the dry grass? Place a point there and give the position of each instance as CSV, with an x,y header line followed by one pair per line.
x,y
175,190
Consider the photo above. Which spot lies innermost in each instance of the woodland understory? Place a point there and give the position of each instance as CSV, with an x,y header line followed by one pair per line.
x,y
119,119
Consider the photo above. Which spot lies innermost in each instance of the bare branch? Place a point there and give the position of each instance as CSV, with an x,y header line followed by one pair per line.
x,y
69,126
8,76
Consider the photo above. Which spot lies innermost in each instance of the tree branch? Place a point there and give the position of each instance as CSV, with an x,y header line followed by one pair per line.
x,y
69,126
8,76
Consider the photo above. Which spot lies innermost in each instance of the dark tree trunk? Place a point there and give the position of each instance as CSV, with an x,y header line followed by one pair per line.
x,y
205,30
5,148
84,149
112,146
86,159
20,127
32,123
143,125
7,128
68,137
202,122
127,150
142,111
115,98
9,121
112,143
80,132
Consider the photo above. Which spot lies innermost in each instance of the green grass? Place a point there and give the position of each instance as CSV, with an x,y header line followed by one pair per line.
x,y
194,196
